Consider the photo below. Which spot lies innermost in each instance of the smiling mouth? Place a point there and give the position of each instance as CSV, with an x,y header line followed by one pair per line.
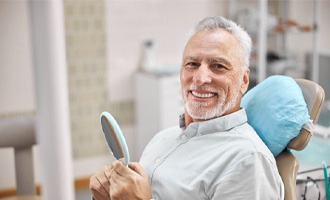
x,y
202,95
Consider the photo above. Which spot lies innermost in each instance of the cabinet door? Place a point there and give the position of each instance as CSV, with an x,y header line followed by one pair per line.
x,y
171,106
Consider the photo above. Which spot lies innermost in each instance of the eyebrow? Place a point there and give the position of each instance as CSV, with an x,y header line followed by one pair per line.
x,y
220,60
192,58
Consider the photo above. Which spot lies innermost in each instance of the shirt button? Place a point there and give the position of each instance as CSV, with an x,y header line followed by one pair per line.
x,y
184,137
158,160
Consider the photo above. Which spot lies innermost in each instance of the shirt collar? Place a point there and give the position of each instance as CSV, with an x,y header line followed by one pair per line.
x,y
219,124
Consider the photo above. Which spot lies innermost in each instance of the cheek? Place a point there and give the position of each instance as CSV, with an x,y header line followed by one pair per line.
x,y
234,90
185,78
183,74
227,85
183,81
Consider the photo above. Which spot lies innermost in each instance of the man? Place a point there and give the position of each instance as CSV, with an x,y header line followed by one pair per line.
x,y
215,154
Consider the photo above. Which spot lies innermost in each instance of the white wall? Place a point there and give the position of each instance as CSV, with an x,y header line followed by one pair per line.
x,y
324,26
167,22
16,73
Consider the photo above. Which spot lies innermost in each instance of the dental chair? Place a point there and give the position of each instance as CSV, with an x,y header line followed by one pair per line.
x,y
19,133
287,163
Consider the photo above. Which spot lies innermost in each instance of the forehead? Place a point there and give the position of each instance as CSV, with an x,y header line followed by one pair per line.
x,y
218,43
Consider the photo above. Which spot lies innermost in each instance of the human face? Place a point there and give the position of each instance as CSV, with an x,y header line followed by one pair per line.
x,y
212,78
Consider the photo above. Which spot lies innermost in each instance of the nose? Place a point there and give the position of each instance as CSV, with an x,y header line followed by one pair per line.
x,y
202,75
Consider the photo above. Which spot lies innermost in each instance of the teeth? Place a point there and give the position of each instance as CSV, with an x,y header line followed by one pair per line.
x,y
205,95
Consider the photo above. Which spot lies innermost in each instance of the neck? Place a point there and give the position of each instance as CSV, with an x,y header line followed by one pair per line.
x,y
189,119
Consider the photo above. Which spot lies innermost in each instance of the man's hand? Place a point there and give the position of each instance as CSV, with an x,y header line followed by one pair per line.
x,y
99,183
129,183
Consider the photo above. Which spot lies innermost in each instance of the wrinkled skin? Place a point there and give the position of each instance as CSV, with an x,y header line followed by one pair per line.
x,y
120,182
212,77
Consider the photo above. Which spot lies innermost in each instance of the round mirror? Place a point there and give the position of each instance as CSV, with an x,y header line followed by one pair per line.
x,y
114,137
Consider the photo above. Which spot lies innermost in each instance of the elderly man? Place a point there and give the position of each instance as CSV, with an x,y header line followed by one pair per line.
x,y
214,154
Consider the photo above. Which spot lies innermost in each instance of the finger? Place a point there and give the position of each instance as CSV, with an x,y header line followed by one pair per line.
x,y
107,171
116,177
137,168
97,187
113,189
115,185
120,168
113,182
105,182
96,195
101,177
104,185
121,160
113,177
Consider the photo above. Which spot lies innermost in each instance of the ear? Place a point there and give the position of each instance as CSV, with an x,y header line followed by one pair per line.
x,y
245,81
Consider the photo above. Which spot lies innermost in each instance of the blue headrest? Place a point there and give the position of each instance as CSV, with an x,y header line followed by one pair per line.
x,y
276,109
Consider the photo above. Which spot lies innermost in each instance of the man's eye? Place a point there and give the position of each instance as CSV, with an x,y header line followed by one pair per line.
x,y
192,64
218,66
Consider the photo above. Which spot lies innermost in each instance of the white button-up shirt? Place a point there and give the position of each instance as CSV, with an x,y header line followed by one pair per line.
x,y
222,158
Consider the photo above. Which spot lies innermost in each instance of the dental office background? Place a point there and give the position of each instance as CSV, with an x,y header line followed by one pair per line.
x,y
124,57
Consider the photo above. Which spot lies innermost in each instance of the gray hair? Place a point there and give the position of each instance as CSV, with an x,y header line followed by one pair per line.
x,y
244,40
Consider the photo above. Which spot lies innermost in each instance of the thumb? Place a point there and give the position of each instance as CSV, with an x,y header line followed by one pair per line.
x,y
137,168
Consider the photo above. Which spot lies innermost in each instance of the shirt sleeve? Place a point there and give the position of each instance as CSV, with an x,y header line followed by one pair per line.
x,y
252,177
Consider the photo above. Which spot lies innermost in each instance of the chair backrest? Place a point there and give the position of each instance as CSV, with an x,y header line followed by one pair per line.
x,y
19,133
287,163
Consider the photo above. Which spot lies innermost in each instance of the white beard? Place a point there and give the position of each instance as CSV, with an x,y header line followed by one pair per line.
x,y
198,110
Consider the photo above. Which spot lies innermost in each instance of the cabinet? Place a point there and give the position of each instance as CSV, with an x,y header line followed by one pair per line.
x,y
158,105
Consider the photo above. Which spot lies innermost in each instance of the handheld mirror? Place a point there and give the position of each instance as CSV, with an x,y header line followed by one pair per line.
x,y
114,137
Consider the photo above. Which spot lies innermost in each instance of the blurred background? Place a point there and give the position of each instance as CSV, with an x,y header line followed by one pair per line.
x,y
124,57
